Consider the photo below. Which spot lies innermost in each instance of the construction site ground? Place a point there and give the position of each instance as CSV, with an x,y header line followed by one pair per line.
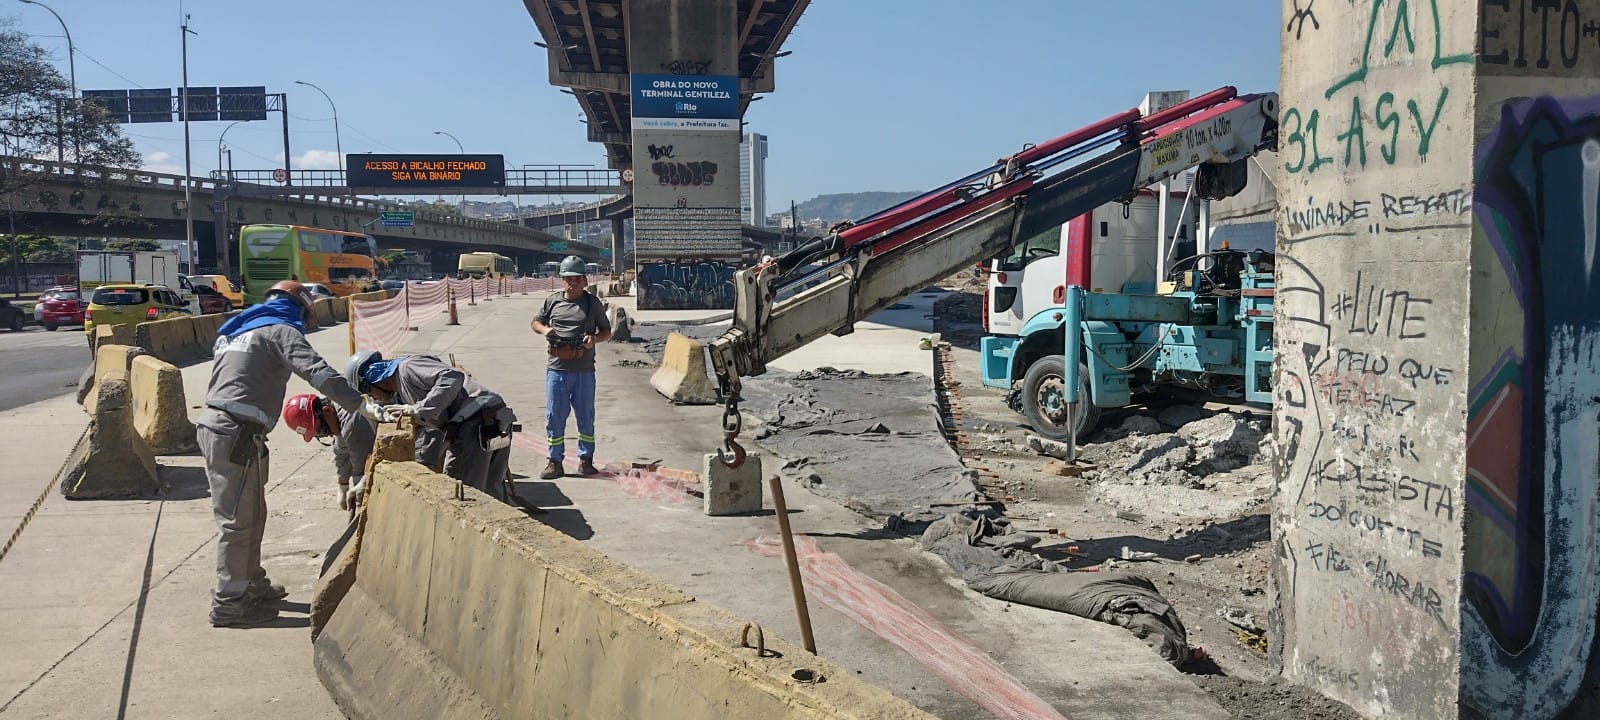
x,y
103,603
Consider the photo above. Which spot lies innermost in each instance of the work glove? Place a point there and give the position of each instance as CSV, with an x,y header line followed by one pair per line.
x,y
401,410
372,410
344,493
352,497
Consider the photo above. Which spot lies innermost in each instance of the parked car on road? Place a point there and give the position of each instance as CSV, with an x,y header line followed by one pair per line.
x,y
211,301
11,316
222,285
127,304
392,284
57,307
319,291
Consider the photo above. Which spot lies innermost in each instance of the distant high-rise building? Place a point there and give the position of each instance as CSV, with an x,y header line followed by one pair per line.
x,y
753,179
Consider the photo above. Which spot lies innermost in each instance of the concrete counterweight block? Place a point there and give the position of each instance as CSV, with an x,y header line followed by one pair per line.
x,y
111,460
682,376
731,491
160,413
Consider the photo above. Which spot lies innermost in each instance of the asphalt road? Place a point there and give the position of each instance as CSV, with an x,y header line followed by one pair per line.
x,y
36,364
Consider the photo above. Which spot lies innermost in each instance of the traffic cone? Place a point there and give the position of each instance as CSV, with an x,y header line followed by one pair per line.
x,y
454,320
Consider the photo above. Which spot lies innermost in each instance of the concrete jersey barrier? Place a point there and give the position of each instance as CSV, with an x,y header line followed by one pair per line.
x,y
682,377
110,459
172,340
473,610
160,412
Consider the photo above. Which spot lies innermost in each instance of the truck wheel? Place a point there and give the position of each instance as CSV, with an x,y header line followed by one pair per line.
x,y
1044,400
16,323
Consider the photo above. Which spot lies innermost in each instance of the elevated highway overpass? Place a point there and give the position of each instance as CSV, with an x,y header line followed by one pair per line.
x,y
60,199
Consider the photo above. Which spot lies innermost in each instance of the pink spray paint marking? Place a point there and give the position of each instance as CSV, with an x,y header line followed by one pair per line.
x,y
638,482
960,664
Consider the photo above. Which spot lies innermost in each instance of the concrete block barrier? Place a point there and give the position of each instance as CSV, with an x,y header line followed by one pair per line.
x,y
323,310
160,411
205,330
112,334
471,609
172,340
110,460
682,377
341,310
621,324
109,359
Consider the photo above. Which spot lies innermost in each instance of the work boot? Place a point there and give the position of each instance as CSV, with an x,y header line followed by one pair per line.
x,y
267,593
586,467
248,616
552,470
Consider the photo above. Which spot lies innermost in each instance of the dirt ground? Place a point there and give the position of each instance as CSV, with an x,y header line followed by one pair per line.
x,y
1182,488
1179,495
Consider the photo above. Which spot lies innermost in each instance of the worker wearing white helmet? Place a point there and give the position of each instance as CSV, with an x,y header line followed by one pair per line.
x,y
571,321
255,351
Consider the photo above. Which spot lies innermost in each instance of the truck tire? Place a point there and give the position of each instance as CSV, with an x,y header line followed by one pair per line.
x,y
1044,402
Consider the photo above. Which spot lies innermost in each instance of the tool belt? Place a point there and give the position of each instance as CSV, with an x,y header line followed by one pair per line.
x,y
493,434
566,348
249,443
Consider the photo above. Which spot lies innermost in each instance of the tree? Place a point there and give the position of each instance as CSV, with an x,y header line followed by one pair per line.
x,y
39,118
392,258
36,249
132,244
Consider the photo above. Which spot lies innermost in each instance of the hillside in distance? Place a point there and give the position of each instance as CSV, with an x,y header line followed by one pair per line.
x,y
850,206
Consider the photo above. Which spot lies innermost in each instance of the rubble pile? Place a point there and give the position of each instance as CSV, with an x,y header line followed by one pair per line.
x,y
1214,466
959,307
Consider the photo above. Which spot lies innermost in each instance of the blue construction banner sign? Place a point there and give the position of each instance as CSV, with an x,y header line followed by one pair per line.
x,y
686,97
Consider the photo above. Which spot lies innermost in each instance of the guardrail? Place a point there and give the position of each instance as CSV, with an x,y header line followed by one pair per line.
x,y
95,175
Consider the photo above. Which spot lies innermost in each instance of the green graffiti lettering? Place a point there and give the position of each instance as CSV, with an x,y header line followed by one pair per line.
x,y
1401,19
1295,138
1356,135
1439,59
1317,158
1427,133
1391,122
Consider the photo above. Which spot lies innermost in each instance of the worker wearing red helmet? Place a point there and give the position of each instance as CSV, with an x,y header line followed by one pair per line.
x,y
312,416
256,351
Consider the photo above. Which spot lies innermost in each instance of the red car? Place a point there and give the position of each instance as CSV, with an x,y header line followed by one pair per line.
x,y
61,306
211,301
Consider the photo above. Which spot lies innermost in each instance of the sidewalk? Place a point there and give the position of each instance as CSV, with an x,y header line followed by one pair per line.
x,y
102,604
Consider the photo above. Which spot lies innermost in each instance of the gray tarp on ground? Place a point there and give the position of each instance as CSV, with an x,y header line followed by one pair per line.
x,y
993,560
866,440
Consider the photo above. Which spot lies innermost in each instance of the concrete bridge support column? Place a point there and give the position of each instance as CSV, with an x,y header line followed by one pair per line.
x,y
684,68
617,226
1437,415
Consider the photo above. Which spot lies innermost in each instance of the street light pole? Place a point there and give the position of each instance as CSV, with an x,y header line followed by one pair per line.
x,y
463,151
72,73
220,138
188,179
337,147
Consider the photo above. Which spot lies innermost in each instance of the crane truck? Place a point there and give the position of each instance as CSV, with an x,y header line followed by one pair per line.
x,y
1204,326
827,284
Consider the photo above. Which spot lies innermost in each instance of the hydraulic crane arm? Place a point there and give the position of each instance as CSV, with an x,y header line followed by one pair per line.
x,y
873,263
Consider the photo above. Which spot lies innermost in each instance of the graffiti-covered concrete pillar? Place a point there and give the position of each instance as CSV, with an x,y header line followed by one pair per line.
x,y
1437,418
683,62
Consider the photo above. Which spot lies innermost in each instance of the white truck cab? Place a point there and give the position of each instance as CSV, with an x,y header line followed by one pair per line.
x,y
1032,279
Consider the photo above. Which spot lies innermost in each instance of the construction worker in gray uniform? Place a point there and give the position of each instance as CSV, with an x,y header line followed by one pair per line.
x,y
255,352
463,428
352,436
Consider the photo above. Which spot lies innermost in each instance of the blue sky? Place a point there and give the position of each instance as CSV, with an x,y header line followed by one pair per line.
x,y
877,95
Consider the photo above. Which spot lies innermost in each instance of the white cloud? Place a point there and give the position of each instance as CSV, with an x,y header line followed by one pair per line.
x,y
317,160
162,162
